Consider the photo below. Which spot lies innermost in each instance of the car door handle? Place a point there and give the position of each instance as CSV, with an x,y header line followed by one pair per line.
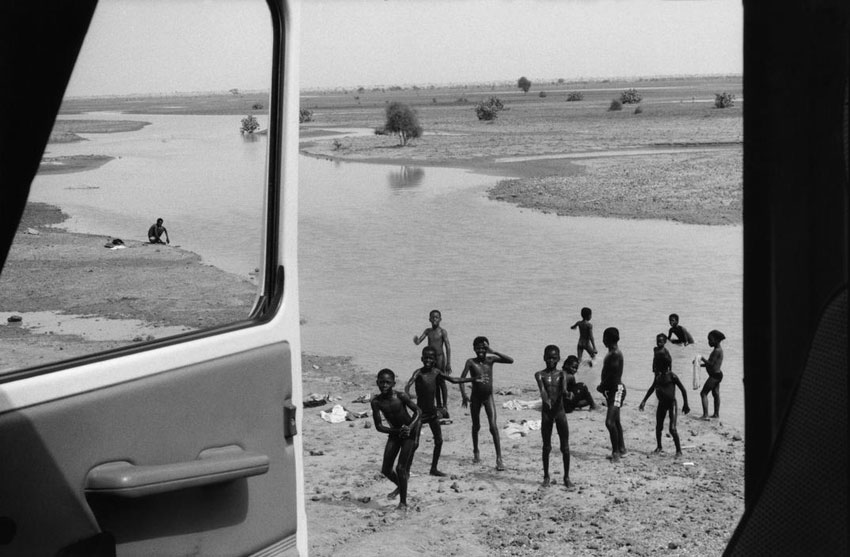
x,y
222,464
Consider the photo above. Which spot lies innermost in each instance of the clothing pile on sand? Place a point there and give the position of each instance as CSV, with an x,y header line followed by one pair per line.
x,y
516,430
515,404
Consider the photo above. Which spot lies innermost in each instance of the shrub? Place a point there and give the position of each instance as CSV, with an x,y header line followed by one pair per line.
x,y
249,124
489,109
305,115
542,94
257,106
638,110
630,96
380,131
575,96
615,105
403,121
724,100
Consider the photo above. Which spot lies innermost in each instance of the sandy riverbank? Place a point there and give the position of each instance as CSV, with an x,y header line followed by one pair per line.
x,y
647,504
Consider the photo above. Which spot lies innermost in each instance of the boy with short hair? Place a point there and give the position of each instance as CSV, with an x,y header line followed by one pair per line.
x,y
481,367
612,388
438,339
585,335
403,432
664,385
682,336
428,379
552,384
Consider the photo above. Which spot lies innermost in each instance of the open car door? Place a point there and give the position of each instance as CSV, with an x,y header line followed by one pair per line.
x,y
182,445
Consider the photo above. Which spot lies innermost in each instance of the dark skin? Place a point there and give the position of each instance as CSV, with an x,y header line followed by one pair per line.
x,y
403,433
437,339
712,384
481,367
552,384
580,395
585,338
664,385
612,373
428,380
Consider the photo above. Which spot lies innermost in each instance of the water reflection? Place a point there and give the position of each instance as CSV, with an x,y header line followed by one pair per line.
x,y
406,177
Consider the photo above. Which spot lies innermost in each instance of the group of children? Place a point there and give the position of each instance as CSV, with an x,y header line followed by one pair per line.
x,y
560,394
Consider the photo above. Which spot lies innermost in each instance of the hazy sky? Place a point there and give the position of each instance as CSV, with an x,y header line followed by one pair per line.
x,y
143,46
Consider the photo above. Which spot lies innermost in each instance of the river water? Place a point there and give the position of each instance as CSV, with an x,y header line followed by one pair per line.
x,y
380,246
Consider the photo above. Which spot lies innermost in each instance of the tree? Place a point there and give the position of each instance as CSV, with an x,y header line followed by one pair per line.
x,y
524,84
403,120
249,124
489,109
631,96
724,100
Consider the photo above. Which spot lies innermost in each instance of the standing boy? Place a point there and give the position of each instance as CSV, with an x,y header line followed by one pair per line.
x,y
438,338
403,432
585,335
552,384
614,391
664,385
428,379
481,367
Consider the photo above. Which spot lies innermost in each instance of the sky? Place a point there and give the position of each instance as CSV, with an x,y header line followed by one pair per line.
x,y
165,46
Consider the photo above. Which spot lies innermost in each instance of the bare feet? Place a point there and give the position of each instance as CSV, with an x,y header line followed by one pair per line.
x,y
435,472
499,466
623,452
614,457
678,454
393,495
658,450
402,507
546,481
476,457
567,483
704,418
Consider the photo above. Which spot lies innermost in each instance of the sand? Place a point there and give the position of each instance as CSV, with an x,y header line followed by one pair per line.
x,y
647,504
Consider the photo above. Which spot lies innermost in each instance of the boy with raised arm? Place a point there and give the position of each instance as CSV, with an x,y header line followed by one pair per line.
x,y
403,432
428,379
438,338
585,335
664,385
481,367
612,388
552,384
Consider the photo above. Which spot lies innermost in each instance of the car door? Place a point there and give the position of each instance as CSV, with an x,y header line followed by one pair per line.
x,y
177,443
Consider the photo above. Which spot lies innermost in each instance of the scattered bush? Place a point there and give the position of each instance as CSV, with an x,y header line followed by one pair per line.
x,y
575,96
560,81
249,124
638,110
380,131
724,100
489,109
615,105
542,94
257,106
462,100
338,144
630,96
403,121
524,84
305,115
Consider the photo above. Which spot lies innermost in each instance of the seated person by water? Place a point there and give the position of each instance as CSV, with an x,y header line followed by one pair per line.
x,y
678,334
155,233
581,396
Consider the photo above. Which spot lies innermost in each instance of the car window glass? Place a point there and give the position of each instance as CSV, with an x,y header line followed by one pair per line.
x,y
145,219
